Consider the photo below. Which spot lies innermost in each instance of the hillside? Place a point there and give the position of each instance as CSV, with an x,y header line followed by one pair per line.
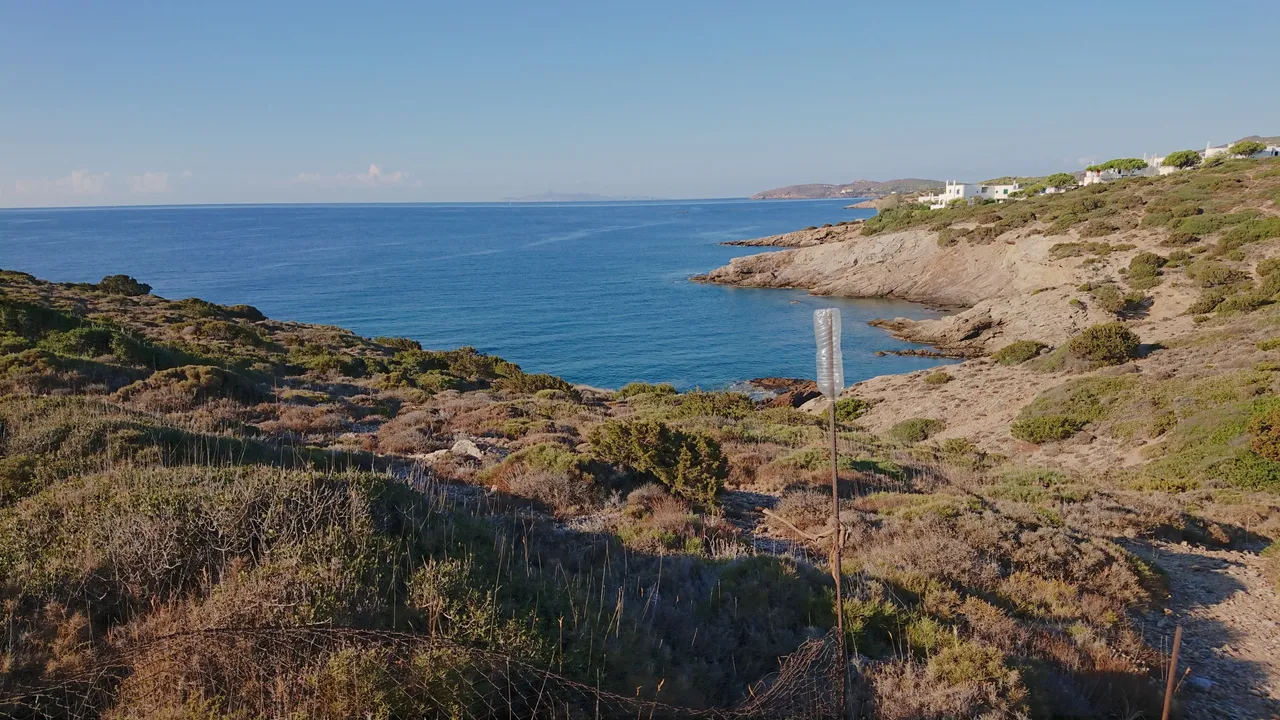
x,y
1124,332
208,512
855,189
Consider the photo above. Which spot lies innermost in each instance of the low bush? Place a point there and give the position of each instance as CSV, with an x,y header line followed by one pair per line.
x,y
689,464
122,285
1018,352
938,377
1264,432
325,361
1045,428
1212,275
1252,231
967,663
191,385
850,409
1061,411
1207,302
699,403
916,430
644,388
245,312
1106,344
528,384
1108,297
1267,267
398,343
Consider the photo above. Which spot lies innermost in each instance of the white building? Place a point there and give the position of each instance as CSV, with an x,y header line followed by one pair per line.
x,y
1093,177
969,191
1211,150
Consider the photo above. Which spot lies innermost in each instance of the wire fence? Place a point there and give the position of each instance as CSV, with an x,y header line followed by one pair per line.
x,y
325,672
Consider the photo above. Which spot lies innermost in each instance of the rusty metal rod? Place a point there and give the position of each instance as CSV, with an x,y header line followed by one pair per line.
x,y
1173,673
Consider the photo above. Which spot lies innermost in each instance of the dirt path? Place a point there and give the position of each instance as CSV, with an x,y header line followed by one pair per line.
x,y
1230,617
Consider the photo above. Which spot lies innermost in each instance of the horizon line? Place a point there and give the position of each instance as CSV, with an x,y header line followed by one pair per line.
x,y
412,203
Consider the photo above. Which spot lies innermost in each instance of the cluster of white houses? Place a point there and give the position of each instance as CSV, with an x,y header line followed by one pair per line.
x,y
969,191
1155,166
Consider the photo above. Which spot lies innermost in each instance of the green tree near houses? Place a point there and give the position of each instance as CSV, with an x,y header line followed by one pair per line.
x,y
1120,165
1245,148
1060,180
1182,159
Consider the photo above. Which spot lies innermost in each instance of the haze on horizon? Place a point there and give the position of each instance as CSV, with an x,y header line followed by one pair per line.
x,y
139,103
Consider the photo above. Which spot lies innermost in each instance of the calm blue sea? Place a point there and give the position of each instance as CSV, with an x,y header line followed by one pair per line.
x,y
595,292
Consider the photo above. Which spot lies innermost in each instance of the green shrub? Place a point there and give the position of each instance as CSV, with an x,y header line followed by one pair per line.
x,y
229,332
1018,352
123,285
699,403
245,312
1264,433
197,384
1045,428
437,381
197,308
1252,231
17,478
10,343
1251,471
968,663
689,464
528,384
398,343
1108,297
322,360
1144,270
916,430
1207,302
1242,303
1061,411
549,457
33,321
938,377
1267,267
850,409
1212,275
1106,344
644,388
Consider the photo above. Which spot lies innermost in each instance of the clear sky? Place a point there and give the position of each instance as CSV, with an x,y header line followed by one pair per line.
x,y
129,102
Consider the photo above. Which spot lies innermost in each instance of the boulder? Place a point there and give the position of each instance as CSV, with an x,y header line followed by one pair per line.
x,y
467,448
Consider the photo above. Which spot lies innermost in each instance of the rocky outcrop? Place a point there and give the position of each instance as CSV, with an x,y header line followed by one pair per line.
x,y
1002,291
807,237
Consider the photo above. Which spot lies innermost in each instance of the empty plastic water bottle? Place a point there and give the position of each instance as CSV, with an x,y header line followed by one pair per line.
x,y
826,328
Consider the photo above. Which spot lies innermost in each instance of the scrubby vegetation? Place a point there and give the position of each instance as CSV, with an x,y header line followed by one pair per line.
x,y
1018,352
172,467
1227,201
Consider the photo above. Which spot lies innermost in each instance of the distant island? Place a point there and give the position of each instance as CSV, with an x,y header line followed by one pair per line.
x,y
551,196
855,189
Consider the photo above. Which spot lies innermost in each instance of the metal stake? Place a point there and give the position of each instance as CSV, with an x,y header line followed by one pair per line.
x,y
1173,673
837,569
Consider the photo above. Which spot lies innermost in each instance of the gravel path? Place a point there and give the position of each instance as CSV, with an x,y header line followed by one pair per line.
x,y
1230,617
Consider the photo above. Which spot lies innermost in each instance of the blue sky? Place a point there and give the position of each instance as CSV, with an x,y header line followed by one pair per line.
x,y
154,103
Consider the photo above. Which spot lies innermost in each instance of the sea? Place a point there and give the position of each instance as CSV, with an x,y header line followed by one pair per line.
x,y
597,293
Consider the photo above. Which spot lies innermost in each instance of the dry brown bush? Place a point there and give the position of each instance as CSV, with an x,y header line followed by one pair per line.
x,y
563,494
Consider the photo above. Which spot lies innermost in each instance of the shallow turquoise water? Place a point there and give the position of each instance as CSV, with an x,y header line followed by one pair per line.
x,y
595,292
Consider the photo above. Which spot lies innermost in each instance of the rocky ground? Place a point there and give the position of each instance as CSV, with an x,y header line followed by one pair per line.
x,y
1230,618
